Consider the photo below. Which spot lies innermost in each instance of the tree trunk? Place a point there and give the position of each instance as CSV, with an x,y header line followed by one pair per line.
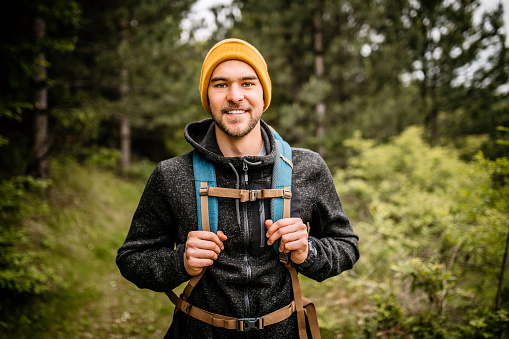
x,y
38,166
319,70
125,121
433,126
125,142
433,114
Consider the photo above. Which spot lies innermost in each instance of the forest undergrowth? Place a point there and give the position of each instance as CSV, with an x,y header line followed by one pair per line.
x,y
80,224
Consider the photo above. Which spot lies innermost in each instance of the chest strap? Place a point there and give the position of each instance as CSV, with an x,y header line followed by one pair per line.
x,y
245,195
207,191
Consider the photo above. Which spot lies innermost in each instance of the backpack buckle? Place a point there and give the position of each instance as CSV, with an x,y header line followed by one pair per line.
x,y
253,195
204,190
287,194
248,324
284,258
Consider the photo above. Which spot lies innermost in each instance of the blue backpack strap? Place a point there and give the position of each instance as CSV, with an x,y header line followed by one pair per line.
x,y
281,179
204,176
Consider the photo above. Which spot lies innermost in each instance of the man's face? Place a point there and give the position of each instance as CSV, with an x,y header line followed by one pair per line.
x,y
236,98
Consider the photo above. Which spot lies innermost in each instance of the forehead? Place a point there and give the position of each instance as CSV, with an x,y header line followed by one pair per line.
x,y
233,69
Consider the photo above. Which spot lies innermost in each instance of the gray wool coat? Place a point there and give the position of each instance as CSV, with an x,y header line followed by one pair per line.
x,y
247,279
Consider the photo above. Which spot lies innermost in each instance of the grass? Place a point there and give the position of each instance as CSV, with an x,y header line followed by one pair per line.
x,y
80,227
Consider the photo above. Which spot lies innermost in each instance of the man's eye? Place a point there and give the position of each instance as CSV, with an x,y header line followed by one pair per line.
x,y
221,85
248,84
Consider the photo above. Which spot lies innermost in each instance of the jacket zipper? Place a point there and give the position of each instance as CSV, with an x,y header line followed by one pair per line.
x,y
261,214
245,183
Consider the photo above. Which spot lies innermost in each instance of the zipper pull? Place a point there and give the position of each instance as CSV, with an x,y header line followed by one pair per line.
x,y
244,167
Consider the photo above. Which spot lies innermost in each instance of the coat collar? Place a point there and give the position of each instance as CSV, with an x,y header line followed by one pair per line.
x,y
202,136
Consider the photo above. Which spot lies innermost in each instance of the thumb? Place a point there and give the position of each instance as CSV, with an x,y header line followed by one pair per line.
x,y
268,223
221,236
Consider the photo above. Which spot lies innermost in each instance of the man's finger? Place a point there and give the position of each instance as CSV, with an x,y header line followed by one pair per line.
x,y
293,241
280,232
202,237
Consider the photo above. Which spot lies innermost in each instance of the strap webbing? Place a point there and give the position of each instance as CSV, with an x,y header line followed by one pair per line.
x,y
205,225
281,179
243,195
204,172
231,323
297,305
300,303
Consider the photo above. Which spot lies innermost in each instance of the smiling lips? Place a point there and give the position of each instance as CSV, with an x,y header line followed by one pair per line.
x,y
235,110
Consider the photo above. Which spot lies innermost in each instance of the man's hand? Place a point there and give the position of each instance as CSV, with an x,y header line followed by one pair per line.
x,y
294,237
202,248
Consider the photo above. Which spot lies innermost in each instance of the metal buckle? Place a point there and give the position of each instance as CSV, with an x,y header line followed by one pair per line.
x,y
249,324
204,190
284,258
253,195
287,194
186,308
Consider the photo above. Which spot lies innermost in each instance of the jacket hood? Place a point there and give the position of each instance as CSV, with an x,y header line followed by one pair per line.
x,y
202,136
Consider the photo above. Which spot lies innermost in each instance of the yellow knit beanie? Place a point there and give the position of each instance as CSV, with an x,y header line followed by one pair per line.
x,y
234,49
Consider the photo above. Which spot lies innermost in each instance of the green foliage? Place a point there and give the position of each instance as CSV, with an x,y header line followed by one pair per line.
x,y
22,271
72,233
503,141
432,227
388,318
14,110
105,158
486,324
140,170
428,277
16,194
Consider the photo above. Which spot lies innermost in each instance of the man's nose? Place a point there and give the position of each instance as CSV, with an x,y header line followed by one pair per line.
x,y
235,94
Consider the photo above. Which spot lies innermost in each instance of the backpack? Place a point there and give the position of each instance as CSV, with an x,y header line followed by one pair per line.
x,y
207,208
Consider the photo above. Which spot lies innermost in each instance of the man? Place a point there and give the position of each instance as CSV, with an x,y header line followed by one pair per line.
x,y
242,275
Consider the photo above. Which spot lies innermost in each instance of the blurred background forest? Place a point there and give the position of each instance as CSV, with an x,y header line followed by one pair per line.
x,y
407,101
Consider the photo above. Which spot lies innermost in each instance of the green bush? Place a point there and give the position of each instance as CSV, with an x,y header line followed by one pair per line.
x,y
15,192
140,170
105,158
22,272
485,323
432,229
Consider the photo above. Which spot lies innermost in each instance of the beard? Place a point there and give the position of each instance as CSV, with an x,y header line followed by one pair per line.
x,y
230,128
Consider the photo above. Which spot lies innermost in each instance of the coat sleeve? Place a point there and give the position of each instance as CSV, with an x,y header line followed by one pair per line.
x,y
330,230
148,258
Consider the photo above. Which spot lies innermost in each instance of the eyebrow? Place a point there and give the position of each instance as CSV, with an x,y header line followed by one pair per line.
x,y
244,78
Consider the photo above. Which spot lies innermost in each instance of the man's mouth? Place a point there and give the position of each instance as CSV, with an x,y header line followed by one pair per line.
x,y
236,111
